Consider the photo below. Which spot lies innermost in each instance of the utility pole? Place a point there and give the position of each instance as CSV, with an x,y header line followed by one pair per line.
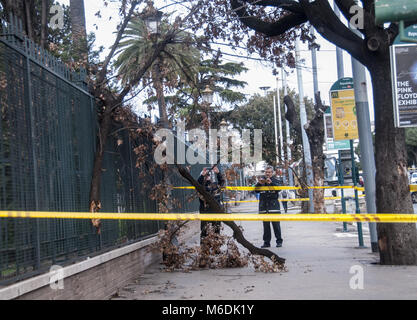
x,y
314,62
303,119
365,143
281,140
339,52
276,131
287,129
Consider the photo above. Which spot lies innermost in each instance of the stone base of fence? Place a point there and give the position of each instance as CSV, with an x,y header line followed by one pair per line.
x,y
94,278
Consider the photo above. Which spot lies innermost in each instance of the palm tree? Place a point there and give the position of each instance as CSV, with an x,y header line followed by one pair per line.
x,y
221,77
176,64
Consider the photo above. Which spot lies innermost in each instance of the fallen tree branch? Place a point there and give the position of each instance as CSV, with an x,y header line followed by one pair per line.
x,y
237,232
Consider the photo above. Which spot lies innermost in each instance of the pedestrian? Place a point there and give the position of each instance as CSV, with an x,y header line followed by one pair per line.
x,y
268,203
283,195
207,179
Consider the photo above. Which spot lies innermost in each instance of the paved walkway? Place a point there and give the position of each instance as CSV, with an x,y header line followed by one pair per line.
x,y
319,260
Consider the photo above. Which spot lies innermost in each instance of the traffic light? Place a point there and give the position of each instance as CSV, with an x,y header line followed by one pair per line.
x,y
395,10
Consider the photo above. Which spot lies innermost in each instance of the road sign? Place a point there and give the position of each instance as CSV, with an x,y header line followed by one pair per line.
x,y
338,145
410,33
342,99
404,83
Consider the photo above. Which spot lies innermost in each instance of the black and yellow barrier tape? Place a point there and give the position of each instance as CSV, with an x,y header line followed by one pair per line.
x,y
385,218
232,188
413,188
292,200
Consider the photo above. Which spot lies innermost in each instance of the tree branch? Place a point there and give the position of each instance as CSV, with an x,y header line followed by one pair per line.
x,y
237,232
289,5
103,71
325,21
270,29
291,115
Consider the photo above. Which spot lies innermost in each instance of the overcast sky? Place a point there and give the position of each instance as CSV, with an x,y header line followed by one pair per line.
x,y
260,73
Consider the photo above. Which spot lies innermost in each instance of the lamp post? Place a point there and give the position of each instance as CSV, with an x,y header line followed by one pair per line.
x,y
152,18
223,125
207,96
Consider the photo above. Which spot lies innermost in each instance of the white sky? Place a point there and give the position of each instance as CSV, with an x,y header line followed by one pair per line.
x,y
259,74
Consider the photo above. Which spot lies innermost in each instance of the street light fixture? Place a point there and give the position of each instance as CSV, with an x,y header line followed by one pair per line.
x,y
207,96
152,18
223,125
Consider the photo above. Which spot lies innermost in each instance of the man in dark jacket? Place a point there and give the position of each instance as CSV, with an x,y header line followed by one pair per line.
x,y
268,203
206,179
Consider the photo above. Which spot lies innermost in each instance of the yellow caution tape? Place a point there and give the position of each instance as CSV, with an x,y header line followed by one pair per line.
x,y
386,218
292,200
277,188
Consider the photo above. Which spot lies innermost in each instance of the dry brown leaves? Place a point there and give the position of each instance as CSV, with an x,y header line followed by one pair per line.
x,y
216,251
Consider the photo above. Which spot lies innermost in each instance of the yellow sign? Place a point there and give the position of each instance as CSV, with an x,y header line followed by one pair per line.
x,y
345,124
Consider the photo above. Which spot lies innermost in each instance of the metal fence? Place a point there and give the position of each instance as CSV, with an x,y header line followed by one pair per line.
x,y
47,143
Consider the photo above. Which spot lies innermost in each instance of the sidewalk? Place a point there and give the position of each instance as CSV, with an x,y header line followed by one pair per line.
x,y
318,257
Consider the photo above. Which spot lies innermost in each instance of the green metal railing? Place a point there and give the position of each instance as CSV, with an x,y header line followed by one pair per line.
x,y
48,137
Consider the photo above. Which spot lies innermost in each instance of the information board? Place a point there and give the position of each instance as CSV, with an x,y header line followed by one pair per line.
x,y
404,84
342,99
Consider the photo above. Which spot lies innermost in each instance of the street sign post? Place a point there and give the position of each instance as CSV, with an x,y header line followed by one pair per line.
x,y
343,107
404,80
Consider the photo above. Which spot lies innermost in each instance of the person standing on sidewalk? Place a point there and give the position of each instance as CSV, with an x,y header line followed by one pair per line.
x,y
268,203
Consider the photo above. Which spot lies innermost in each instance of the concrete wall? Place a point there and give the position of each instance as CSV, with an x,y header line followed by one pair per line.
x,y
95,278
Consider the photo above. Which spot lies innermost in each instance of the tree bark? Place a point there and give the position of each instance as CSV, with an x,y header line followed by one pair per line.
x,y
79,30
95,186
315,134
29,9
44,24
159,88
397,241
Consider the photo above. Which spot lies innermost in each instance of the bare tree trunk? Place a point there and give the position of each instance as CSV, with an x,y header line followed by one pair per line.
x,y
315,133
79,30
29,9
44,22
95,187
397,241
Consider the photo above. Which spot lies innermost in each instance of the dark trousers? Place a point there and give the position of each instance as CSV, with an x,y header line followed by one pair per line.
x,y
267,231
285,205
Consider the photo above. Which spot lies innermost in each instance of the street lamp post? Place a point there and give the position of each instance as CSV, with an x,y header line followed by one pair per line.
x,y
207,96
